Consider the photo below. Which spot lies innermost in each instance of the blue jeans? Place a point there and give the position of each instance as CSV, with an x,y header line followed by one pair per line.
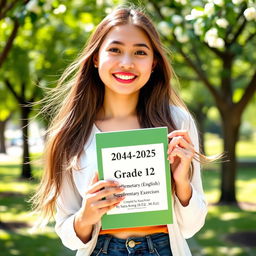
x,y
151,245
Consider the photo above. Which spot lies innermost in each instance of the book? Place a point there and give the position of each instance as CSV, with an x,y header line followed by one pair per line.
x,y
137,159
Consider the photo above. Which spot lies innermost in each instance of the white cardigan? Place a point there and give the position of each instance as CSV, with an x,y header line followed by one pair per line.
x,y
186,220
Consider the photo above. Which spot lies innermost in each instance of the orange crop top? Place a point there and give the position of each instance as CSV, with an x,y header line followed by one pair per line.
x,y
148,230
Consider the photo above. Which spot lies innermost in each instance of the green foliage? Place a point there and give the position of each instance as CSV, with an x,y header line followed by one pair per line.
x,y
191,25
51,35
7,103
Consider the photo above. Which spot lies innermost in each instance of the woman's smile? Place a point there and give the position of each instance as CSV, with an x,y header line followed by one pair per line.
x,y
124,77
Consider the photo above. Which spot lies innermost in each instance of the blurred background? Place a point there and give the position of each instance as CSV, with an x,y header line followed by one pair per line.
x,y
212,50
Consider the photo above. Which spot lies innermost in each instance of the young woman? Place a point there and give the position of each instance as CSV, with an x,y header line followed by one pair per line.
x,y
122,82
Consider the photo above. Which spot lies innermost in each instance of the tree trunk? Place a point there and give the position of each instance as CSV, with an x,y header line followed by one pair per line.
x,y
26,167
231,124
2,137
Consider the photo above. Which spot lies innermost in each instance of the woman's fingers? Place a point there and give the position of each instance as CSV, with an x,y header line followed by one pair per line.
x,y
102,184
181,153
108,191
101,194
183,133
107,202
181,142
100,198
102,206
104,210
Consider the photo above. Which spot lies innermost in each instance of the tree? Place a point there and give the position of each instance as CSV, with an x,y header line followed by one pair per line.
x,y
216,39
13,14
18,83
8,9
15,11
7,108
48,39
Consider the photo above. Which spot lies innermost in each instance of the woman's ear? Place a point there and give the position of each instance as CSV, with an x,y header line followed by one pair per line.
x,y
95,60
154,63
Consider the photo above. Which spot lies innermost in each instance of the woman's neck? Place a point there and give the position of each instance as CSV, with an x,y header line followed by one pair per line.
x,y
118,113
119,107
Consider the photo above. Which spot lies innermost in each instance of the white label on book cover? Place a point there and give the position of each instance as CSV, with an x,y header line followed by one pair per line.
x,y
141,170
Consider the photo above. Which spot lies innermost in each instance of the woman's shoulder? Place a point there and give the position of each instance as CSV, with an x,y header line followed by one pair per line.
x,y
91,137
181,116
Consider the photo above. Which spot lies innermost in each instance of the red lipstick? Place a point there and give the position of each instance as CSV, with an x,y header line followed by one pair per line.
x,y
124,77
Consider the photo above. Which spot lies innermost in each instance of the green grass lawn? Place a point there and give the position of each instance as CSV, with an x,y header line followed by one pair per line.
x,y
14,208
210,241
224,220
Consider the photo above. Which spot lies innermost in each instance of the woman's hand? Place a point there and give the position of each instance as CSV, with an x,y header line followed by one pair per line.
x,y
100,198
180,154
97,203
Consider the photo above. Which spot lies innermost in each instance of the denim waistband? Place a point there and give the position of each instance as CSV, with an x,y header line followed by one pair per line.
x,y
108,242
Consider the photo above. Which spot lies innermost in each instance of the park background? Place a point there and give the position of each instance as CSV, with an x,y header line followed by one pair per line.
x,y
212,50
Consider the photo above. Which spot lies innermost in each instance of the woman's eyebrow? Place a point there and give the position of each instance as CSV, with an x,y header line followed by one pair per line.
x,y
138,45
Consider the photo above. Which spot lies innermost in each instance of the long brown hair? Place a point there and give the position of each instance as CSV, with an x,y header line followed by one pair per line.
x,y
80,95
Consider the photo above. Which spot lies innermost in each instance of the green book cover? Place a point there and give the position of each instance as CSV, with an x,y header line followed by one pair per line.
x,y
137,159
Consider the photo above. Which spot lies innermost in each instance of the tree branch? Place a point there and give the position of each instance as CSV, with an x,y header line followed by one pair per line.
x,y
9,43
157,10
250,38
22,91
2,4
189,78
230,28
238,32
36,92
198,60
248,94
202,76
195,67
214,50
14,93
7,8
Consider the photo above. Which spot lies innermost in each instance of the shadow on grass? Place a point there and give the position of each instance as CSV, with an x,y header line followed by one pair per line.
x,y
221,223
12,172
16,204
13,243
225,221
12,226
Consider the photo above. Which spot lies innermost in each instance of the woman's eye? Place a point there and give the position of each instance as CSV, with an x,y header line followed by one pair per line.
x,y
140,53
115,50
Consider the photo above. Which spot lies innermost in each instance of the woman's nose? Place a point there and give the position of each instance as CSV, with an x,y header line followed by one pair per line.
x,y
126,62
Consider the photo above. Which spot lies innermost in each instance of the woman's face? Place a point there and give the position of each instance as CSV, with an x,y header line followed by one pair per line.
x,y
125,60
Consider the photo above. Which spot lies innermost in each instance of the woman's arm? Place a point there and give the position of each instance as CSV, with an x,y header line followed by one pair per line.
x,y
77,218
189,202
94,206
